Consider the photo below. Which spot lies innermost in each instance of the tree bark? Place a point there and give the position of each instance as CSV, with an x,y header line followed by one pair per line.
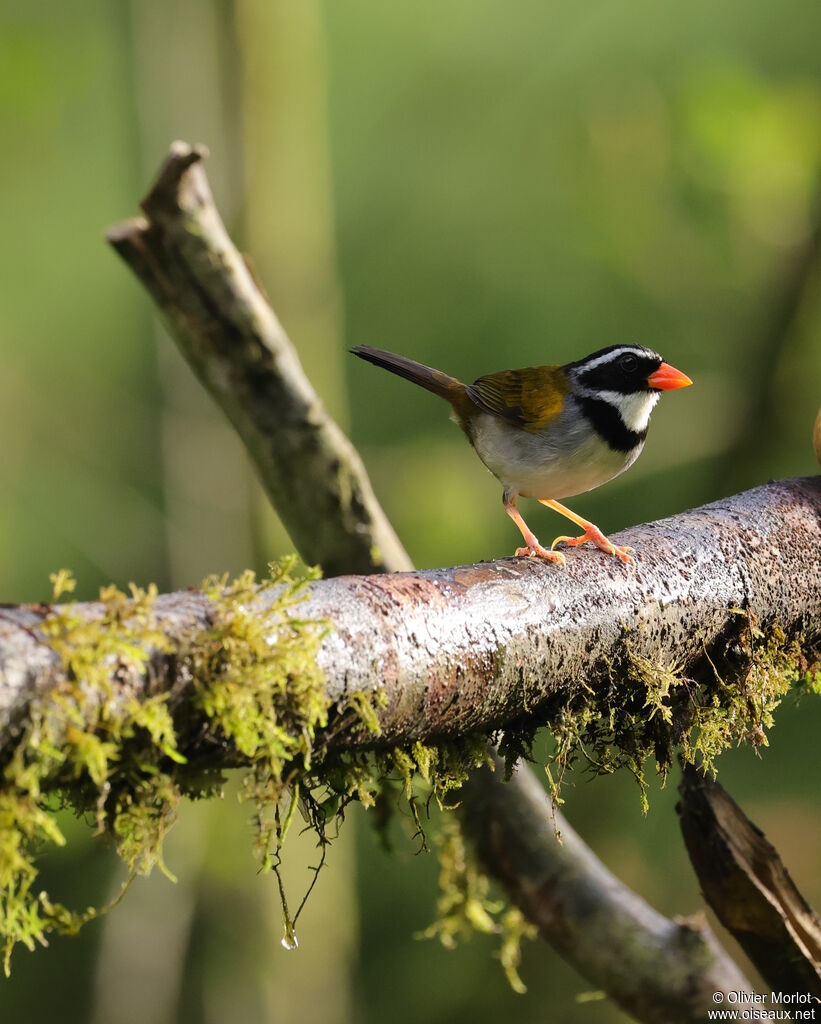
x,y
657,970
236,346
746,883
475,647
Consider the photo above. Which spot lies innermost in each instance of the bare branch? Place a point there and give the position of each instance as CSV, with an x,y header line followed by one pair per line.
x,y
745,882
659,971
233,341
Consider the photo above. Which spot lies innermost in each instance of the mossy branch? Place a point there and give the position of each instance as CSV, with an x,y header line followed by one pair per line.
x,y
679,641
125,704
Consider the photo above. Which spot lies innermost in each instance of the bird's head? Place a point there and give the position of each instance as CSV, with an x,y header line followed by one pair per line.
x,y
629,378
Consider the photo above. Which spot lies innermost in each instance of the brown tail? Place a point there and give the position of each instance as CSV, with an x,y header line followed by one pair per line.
x,y
425,376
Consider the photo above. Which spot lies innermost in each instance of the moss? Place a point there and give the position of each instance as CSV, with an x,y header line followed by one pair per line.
x,y
810,682
651,709
443,767
465,906
253,690
258,693
647,709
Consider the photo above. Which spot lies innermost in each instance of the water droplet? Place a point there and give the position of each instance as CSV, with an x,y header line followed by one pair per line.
x,y
289,939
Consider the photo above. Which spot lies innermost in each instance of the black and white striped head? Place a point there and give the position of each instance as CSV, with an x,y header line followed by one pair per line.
x,y
617,389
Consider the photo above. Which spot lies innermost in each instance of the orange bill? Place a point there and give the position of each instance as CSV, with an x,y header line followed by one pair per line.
x,y
667,377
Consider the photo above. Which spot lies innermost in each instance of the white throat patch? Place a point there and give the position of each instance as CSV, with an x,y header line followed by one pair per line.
x,y
634,409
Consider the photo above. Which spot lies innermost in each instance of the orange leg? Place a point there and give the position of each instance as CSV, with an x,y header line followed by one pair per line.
x,y
591,533
533,546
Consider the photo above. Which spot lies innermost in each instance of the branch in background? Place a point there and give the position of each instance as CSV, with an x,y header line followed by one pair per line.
x,y
233,341
745,882
656,969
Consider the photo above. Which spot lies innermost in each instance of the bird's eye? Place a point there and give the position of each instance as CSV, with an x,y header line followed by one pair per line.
x,y
628,363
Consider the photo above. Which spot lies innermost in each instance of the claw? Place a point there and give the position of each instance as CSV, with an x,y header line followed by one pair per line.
x,y
595,536
537,551
571,542
622,553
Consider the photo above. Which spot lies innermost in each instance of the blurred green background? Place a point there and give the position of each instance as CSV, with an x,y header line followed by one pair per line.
x,y
476,185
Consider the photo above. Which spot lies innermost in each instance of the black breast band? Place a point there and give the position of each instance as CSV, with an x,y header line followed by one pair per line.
x,y
609,425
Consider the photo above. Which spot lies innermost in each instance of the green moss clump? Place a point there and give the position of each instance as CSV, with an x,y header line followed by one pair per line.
x,y
651,709
90,742
443,768
465,906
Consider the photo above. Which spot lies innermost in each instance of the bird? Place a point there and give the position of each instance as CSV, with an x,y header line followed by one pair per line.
x,y
555,431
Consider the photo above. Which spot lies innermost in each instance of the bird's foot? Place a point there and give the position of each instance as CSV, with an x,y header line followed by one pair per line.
x,y
595,536
535,550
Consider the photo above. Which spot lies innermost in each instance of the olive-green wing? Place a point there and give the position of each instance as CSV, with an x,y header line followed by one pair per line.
x,y
529,398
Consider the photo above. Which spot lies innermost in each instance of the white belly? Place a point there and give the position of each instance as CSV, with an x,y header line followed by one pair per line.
x,y
569,458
